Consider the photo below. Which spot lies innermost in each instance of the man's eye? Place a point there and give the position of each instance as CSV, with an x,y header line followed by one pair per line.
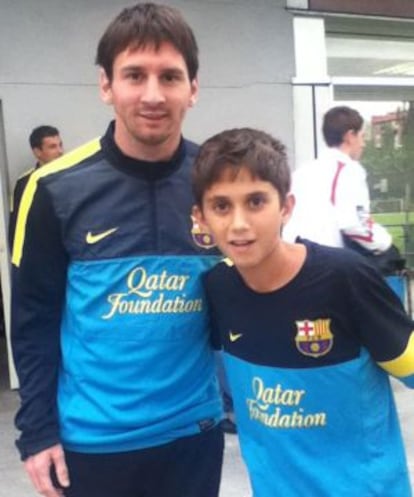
x,y
134,76
171,77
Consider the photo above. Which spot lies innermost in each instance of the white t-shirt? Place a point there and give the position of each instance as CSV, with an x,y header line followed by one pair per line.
x,y
332,199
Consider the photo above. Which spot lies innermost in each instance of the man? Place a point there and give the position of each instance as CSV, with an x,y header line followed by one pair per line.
x,y
46,145
332,196
110,338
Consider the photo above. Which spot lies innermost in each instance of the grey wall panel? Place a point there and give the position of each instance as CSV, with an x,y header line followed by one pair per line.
x,y
75,110
47,72
265,107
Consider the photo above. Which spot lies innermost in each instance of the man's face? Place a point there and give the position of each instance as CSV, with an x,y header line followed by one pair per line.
x,y
356,144
50,149
151,92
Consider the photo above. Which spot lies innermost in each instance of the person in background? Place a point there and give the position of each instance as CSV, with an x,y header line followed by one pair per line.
x,y
46,145
332,197
310,334
110,330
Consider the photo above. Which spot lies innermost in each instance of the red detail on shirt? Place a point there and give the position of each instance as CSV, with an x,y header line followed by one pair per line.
x,y
339,168
369,237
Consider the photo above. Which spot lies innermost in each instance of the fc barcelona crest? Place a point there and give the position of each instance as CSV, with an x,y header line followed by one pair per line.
x,y
201,238
314,338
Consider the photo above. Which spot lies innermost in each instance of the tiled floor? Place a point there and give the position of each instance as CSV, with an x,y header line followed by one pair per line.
x,y
14,483
13,480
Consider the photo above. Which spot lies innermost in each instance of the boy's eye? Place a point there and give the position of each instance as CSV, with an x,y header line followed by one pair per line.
x,y
220,206
256,201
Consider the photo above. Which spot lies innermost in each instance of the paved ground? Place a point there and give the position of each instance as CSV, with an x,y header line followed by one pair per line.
x,y
13,480
14,483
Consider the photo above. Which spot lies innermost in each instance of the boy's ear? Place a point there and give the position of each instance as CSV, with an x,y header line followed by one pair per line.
x,y
288,207
197,215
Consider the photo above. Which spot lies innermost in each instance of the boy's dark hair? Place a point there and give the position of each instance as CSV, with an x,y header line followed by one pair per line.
x,y
37,135
264,156
147,24
338,121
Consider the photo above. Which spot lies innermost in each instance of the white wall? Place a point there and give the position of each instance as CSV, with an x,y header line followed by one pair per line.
x,y
47,76
47,72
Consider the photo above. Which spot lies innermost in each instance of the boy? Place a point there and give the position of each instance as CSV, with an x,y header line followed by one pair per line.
x,y
309,334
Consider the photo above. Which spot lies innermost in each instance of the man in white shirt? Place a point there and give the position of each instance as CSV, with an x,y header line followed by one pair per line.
x,y
332,197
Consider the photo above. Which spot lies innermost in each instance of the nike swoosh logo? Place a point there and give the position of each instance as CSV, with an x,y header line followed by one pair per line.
x,y
234,336
94,238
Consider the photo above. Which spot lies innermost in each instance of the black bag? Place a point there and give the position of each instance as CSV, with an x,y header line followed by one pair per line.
x,y
388,263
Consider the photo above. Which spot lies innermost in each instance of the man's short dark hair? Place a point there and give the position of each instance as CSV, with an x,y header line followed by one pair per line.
x,y
147,24
264,156
37,135
338,121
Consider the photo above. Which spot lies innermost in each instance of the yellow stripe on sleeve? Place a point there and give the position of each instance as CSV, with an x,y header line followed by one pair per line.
x,y
64,162
404,364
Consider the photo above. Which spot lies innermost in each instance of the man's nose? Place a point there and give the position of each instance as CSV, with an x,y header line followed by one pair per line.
x,y
153,91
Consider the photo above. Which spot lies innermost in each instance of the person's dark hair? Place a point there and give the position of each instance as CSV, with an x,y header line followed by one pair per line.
x,y
264,156
37,135
143,25
338,121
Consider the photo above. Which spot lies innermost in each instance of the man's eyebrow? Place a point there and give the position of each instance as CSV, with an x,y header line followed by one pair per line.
x,y
132,67
139,67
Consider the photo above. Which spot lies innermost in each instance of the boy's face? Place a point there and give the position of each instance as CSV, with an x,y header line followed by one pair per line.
x,y
245,217
150,91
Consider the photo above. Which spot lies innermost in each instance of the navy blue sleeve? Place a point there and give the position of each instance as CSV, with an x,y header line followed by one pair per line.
x,y
385,328
215,333
38,288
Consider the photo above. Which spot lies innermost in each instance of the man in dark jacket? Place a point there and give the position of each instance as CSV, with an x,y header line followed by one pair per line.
x,y
110,328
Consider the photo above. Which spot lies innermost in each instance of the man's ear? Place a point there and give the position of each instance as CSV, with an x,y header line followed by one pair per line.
x,y
105,87
37,152
287,208
194,92
348,137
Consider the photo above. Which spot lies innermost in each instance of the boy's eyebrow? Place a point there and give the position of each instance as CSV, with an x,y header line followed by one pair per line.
x,y
227,197
214,198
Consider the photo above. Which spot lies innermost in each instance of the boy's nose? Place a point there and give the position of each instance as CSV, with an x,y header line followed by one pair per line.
x,y
239,221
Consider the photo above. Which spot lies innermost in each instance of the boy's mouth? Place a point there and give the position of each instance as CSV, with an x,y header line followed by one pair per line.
x,y
241,243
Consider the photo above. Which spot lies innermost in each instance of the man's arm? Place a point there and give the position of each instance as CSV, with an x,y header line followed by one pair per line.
x,y
38,288
14,205
352,207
